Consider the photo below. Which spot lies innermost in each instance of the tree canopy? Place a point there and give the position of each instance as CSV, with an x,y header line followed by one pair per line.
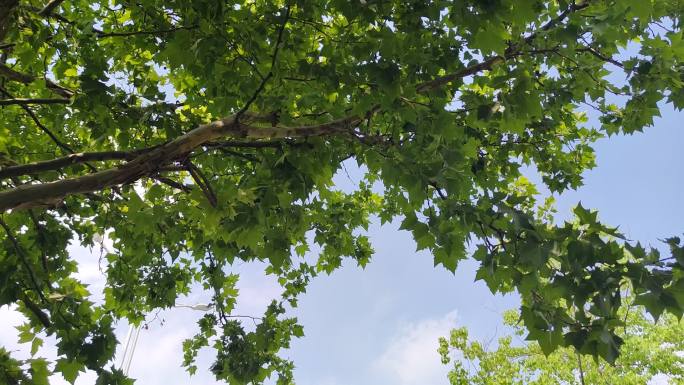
x,y
199,134
651,351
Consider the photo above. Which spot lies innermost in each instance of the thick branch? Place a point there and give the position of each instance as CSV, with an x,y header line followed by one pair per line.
x,y
149,162
17,76
24,102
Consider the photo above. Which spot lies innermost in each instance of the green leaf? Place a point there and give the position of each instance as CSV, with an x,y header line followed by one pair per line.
x,y
35,345
69,369
39,371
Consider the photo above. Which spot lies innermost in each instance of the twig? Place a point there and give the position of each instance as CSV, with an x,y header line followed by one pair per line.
x,y
244,316
268,76
439,190
238,154
23,78
102,34
490,62
40,125
41,239
581,369
202,183
29,304
172,183
601,56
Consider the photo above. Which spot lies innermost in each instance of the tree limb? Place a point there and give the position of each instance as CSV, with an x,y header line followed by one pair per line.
x,y
24,101
40,125
102,34
268,76
36,286
172,183
601,56
40,234
202,182
42,317
21,77
7,8
149,162
581,369
472,70
490,62
239,144
49,7
58,163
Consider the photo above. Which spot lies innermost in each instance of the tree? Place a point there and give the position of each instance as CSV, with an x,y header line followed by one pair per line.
x,y
196,134
650,349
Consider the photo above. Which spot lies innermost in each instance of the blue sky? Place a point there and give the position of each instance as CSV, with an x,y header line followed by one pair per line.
x,y
362,325
380,325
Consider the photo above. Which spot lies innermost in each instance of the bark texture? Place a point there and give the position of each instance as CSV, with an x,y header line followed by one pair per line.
x,y
150,162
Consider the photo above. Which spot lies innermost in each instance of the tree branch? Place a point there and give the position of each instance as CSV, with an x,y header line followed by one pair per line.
x,y
40,125
49,7
472,70
490,62
151,160
40,234
581,369
42,317
148,163
102,34
58,163
24,102
21,77
22,257
202,182
601,56
47,131
268,76
172,183
7,8
239,144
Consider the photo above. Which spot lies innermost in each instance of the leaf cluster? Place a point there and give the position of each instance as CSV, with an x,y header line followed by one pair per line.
x,y
198,135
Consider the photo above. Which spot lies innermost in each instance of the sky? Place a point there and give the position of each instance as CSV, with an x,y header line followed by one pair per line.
x,y
380,325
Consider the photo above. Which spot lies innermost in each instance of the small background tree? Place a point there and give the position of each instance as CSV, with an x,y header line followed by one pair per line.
x,y
651,352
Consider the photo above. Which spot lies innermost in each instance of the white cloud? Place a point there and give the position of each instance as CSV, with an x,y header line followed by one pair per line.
x,y
659,379
256,289
158,355
411,356
8,333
